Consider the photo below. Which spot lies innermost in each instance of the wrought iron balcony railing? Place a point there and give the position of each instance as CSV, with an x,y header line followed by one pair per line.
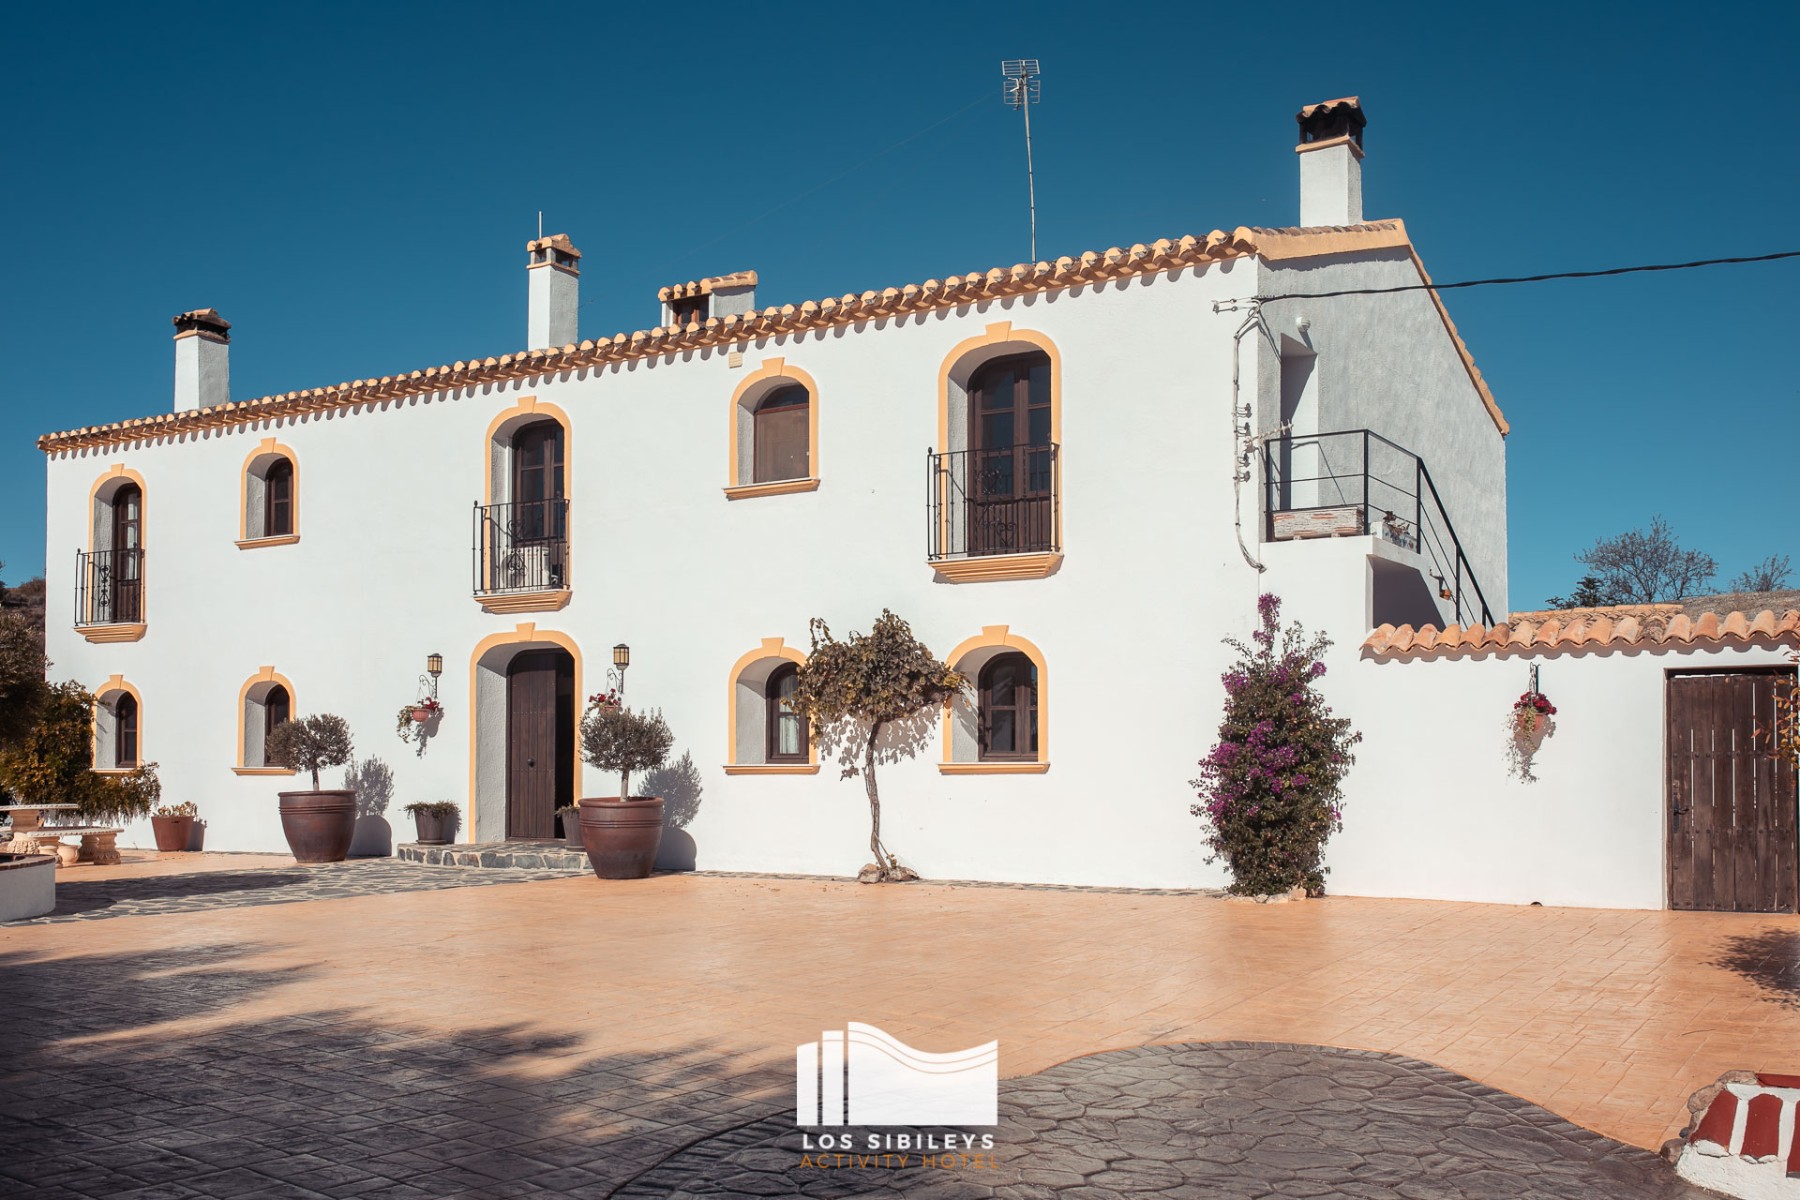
x,y
993,501
109,587
521,547
1358,482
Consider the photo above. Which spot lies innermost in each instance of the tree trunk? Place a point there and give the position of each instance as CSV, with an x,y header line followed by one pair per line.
x,y
624,785
884,862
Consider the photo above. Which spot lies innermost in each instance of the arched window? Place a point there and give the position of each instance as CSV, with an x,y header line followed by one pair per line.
x,y
766,735
122,597
277,707
522,525
537,481
1011,459
774,433
278,499
265,701
1008,717
782,435
271,507
786,729
125,737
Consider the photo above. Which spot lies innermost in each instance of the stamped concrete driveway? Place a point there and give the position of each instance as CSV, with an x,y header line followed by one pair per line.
x,y
569,1035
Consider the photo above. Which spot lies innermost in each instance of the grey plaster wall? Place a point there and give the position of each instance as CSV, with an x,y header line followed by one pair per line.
x,y
1387,363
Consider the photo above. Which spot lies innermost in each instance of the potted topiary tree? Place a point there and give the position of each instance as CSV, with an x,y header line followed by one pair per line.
x,y
853,690
621,833
433,820
320,823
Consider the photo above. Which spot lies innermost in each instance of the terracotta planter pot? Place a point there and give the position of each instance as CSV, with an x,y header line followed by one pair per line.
x,y
434,830
571,827
318,825
172,833
421,715
621,836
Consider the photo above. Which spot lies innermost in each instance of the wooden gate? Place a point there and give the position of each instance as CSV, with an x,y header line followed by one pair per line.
x,y
1733,844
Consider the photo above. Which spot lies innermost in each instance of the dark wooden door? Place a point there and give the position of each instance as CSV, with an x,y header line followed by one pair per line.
x,y
1733,843
128,555
1010,457
540,741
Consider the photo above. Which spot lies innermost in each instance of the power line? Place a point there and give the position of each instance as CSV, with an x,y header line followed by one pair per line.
x,y
1469,283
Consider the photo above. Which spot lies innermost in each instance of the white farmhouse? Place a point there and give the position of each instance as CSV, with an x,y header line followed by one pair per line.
x,y
1072,478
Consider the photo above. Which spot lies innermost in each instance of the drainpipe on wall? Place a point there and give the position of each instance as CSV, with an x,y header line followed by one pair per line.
x,y
1242,438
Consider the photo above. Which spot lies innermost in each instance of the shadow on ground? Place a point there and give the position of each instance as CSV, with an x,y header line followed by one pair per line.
x,y
88,896
1770,960
327,1103
137,1082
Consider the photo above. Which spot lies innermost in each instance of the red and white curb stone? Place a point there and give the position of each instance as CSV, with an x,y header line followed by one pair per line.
x,y
1742,1140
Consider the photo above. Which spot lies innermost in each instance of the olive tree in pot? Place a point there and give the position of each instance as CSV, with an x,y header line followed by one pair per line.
x,y
621,833
318,824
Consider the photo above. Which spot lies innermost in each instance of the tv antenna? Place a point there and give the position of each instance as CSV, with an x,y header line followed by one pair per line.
x,y
1019,88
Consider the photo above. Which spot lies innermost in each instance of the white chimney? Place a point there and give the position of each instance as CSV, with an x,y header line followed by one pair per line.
x,y
202,359
554,276
1331,153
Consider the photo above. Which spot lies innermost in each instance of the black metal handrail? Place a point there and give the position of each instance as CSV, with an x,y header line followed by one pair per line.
x,y
109,587
1384,488
521,547
997,500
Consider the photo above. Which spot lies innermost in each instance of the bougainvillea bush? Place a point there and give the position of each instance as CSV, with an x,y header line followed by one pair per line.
x,y
1269,790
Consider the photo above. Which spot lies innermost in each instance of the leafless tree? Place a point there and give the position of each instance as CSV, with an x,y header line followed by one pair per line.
x,y
1648,566
1771,574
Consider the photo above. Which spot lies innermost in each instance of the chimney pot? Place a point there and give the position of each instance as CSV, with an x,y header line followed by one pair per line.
x,y
1330,150
553,272
694,302
202,359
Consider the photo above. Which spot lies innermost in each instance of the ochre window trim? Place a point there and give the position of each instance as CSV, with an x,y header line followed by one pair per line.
x,y
525,411
270,676
1000,340
999,638
122,631
115,684
771,648
771,374
268,448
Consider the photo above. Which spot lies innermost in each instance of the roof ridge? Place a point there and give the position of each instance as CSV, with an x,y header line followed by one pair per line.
x,y
1067,271
1591,628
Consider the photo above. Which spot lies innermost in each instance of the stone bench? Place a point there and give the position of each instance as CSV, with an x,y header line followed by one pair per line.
x,y
97,843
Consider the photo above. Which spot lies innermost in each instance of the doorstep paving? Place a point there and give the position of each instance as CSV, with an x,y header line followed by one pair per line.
x,y
641,1017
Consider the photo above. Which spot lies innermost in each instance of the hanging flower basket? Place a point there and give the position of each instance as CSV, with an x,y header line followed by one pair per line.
x,y
1527,725
414,717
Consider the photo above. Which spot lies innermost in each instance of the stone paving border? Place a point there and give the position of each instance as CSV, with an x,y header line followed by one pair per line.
x,y
1279,1124
203,891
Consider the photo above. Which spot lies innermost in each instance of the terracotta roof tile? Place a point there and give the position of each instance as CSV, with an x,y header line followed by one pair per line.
x,y
1591,628
956,290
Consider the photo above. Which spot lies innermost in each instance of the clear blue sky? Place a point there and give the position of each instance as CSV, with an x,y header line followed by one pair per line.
x,y
352,185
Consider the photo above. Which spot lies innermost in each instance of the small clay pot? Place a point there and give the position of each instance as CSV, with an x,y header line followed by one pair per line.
x,y
319,825
172,833
571,828
434,830
621,836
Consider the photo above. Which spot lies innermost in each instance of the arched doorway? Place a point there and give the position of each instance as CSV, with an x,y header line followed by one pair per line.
x,y
540,740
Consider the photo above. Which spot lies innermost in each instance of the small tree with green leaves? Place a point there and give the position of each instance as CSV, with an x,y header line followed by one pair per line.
x,y
854,689
53,763
614,738
310,743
